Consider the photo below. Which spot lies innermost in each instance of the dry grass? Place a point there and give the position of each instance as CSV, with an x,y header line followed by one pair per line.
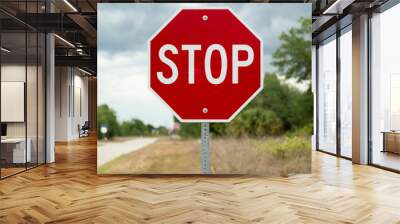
x,y
166,156
259,157
240,156
228,156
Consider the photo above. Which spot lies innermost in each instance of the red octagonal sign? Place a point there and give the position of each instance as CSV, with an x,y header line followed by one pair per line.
x,y
206,65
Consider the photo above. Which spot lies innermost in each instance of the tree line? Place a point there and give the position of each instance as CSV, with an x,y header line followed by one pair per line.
x,y
278,109
107,117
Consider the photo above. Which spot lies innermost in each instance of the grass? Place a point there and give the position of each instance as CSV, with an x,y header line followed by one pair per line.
x,y
278,156
273,156
166,156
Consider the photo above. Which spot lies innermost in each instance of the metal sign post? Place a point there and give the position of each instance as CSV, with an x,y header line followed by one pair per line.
x,y
205,146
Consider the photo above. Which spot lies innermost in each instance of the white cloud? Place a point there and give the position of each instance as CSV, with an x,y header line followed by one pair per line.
x,y
123,85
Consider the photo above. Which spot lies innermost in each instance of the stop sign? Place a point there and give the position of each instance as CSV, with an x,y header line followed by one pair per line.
x,y
206,65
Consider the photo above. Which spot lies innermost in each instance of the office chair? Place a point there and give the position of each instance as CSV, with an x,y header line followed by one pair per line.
x,y
84,130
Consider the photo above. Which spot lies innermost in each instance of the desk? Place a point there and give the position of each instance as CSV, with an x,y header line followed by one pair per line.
x,y
13,150
391,141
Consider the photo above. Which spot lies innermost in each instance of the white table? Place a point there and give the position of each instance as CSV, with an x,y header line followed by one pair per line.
x,y
19,155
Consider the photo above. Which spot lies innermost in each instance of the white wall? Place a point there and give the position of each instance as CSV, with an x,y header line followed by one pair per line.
x,y
12,73
33,126
17,73
62,81
71,87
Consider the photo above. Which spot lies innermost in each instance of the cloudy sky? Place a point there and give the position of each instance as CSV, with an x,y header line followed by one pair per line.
x,y
123,32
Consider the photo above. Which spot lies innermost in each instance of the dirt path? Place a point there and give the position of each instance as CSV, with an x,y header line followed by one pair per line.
x,y
111,150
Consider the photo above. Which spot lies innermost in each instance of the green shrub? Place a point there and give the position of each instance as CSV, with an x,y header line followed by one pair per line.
x,y
287,147
218,129
135,127
306,131
189,130
292,106
290,154
162,131
256,122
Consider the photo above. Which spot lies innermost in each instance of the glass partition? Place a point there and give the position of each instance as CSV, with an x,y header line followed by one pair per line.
x,y
385,89
22,89
327,95
14,153
346,92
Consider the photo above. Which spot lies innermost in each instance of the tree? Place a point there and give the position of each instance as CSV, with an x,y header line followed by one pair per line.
x,y
150,129
193,130
189,130
293,60
134,127
279,107
107,117
293,57
256,122
218,129
292,106
163,131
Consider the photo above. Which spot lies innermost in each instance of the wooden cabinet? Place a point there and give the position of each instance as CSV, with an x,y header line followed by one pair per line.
x,y
391,142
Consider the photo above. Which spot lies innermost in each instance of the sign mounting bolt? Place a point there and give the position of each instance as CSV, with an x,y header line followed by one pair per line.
x,y
205,17
205,110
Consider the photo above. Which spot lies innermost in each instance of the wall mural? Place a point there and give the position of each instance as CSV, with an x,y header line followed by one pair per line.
x,y
204,89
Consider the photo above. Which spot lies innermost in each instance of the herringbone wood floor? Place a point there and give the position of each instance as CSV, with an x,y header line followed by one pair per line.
x,y
70,191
